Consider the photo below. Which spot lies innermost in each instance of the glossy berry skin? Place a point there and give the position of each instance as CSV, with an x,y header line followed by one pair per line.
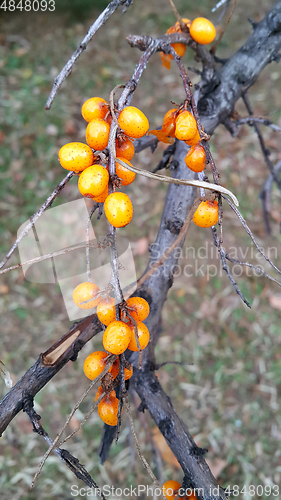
x,y
126,175
94,364
96,107
143,334
133,122
207,214
106,311
179,48
97,134
116,337
118,209
170,489
138,308
102,197
76,156
93,181
195,159
194,140
202,31
115,370
169,122
108,409
84,292
125,149
186,126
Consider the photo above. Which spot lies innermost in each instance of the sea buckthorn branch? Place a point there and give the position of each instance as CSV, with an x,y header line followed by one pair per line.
x,y
103,244
36,216
104,16
241,263
68,459
53,444
265,194
250,120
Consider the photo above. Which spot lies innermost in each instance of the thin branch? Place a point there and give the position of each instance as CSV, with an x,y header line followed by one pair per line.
x,y
52,446
250,120
36,216
103,244
69,460
88,263
110,9
249,232
142,458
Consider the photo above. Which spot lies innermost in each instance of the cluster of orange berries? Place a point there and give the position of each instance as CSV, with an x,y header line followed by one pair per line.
x,y
201,30
117,337
171,488
93,176
180,124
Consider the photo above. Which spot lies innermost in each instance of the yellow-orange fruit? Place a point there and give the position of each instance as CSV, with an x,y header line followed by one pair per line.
x,y
125,149
169,122
133,122
108,409
97,133
186,126
207,214
96,107
115,370
195,140
106,311
94,364
170,489
84,293
138,308
143,335
126,175
195,159
102,197
202,31
100,391
118,209
116,337
76,156
93,181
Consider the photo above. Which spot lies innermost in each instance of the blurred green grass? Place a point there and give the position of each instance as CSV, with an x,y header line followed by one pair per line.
x,y
229,395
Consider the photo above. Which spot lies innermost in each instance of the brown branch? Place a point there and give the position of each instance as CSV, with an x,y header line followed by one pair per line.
x,y
110,9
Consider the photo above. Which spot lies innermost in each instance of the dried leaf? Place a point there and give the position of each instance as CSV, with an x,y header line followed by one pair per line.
x,y
216,465
275,301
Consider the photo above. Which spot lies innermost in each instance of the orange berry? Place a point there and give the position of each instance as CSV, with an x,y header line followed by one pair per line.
x,y
94,364
76,156
138,308
106,311
125,149
143,334
116,337
102,197
169,122
118,209
195,140
126,175
100,391
170,489
97,133
185,20
186,126
108,409
115,370
207,214
96,107
84,292
93,181
196,158
202,30
133,122
180,48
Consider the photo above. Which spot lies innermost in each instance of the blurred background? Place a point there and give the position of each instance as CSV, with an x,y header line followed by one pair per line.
x,y
228,396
